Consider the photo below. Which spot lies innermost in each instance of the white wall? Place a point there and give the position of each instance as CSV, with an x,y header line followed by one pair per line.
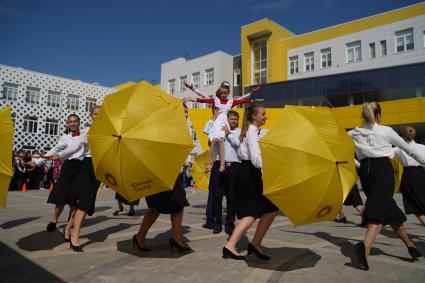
x,y
338,50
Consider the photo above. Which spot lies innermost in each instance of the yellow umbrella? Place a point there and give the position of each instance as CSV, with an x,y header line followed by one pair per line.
x,y
139,141
6,147
308,164
201,177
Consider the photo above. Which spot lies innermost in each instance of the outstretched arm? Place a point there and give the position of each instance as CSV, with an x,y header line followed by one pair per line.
x,y
252,92
199,93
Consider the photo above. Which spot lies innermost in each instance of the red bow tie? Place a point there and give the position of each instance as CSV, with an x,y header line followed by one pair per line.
x,y
75,134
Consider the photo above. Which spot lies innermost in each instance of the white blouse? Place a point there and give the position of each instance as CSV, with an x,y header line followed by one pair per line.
x,y
406,160
374,140
250,148
63,149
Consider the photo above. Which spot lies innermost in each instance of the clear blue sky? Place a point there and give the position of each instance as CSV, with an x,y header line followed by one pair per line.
x,y
111,42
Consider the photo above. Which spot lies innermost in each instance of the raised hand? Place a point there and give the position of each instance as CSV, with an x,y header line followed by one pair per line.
x,y
255,89
189,86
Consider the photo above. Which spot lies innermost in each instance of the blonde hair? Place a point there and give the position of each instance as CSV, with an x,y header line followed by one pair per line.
x,y
94,107
370,112
408,133
248,117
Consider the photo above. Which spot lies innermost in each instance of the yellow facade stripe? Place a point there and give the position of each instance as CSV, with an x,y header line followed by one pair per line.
x,y
395,112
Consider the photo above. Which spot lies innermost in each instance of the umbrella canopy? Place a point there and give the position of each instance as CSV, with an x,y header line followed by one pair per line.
x,y
139,141
200,175
6,148
308,164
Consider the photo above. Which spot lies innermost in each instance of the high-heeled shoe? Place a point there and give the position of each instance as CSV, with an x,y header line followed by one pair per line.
x,y
228,254
136,245
414,253
181,249
360,251
67,240
75,248
251,249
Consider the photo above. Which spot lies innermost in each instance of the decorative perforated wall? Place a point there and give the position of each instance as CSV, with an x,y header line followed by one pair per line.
x,y
44,98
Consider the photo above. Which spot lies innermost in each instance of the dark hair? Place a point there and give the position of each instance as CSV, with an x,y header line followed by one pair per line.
x,y
217,93
232,113
408,133
73,115
248,118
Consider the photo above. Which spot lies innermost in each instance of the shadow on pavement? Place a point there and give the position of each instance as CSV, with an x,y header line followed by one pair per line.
x,y
16,268
17,222
102,208
159,246
285,259
102,235
41,241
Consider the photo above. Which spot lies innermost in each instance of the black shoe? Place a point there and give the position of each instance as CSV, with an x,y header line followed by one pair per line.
x,y
229,229
414,253
51,227
181,249
131,213
207,225
360,251
75,248
251,249
64,238
217,229
116,212
228,254
136,245
342,220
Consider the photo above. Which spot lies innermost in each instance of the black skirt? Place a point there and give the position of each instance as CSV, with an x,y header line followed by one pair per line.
x,y
169,202
412,188
121,199
377,178
249,198
67,181
83,194
354,199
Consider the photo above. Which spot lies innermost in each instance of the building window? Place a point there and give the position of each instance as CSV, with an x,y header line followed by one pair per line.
x,y
73,102
354,52
195,105
372,50
196,80
183,80
259,55
325,58
30,124
52,127
293,65
383,47
236,77
10,91
90,103
309,61
33,95
209,76
53,98
404,40
172,86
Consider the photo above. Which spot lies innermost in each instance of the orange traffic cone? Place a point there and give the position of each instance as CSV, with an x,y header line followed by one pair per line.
x,y
24,188
195,186
51,186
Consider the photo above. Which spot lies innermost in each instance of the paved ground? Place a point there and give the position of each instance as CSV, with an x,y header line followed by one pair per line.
x,y
313,253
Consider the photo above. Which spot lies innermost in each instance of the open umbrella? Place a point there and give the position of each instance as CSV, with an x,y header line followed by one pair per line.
x,y
139,141
200,175
6,147
308,164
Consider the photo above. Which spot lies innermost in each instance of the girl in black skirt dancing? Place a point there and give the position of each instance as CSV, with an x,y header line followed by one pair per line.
x,y
412,185
70,168
168,202
83,193
373,145
251,204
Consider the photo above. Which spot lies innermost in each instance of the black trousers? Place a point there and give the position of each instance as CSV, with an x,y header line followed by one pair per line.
x,y
224,185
